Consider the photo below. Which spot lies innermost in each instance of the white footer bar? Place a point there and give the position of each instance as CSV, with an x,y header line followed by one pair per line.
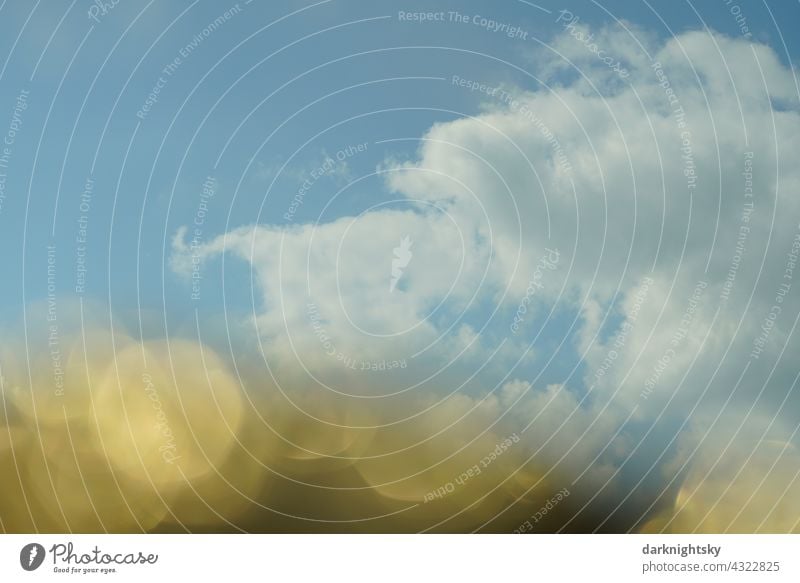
x,y
406,558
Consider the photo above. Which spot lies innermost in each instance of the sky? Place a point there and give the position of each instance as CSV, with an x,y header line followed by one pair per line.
x,y
398,267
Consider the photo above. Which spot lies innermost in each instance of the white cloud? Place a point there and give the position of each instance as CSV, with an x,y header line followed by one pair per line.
x,y
488,194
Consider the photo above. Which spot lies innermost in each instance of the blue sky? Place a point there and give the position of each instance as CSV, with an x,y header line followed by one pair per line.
x,y
67,148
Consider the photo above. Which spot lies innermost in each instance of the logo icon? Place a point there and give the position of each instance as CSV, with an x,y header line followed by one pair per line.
x,y
31,556
402,257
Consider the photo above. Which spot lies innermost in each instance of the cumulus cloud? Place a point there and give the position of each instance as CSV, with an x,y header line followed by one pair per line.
x,y
743,479
163,436
666,194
